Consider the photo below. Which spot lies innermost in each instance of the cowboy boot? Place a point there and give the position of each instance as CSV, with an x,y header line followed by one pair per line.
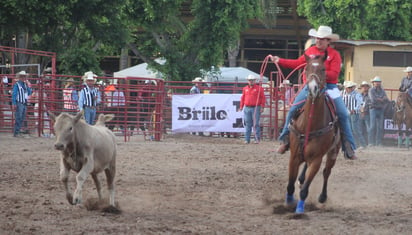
x,y
399,141
284,146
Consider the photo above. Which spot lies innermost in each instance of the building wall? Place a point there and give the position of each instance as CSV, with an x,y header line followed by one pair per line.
x,y
363,69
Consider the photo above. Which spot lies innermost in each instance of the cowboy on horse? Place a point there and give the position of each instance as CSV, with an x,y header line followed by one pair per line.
x,y
406,83
324,37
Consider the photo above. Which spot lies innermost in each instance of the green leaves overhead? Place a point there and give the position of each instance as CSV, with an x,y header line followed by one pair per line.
x,y
360,19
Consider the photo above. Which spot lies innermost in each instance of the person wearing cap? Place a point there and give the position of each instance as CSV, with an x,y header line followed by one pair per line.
x,y
378,98
287,89
364,110
70,96
406,83
353,102
252,103
323,37
89,97
21,92
196,83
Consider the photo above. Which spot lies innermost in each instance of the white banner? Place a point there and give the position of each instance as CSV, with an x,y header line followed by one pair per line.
x,y
207,112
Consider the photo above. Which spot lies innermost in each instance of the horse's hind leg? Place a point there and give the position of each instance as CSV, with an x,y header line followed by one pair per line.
x,y
313,168
330,162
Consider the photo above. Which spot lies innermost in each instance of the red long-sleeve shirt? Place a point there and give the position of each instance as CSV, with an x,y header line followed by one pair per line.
x,y
252,96
332,63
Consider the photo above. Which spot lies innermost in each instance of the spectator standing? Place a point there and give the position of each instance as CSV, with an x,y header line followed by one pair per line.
x,y
196,86
353,102
21,92
378,98
70,97
406,83
252,102
364,110
196,90
289,91
89,97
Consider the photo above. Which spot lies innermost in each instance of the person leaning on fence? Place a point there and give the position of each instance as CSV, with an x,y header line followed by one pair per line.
x,y
252,102
70,97
21,92
406,83
89,97
323,37
378,99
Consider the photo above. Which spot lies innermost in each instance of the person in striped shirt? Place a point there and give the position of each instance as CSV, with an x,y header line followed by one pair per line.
x,y
353,101
89,97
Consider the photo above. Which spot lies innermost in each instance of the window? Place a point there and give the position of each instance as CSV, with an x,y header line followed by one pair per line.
x,y
392,58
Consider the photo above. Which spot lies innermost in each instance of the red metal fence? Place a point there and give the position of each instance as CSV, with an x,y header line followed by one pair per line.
x,y
146,109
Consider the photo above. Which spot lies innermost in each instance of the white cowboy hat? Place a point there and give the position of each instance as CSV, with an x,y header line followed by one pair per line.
x,y
21,74
324,32
376,79
408,69
251,77
349,84
89,76
365,83
197,79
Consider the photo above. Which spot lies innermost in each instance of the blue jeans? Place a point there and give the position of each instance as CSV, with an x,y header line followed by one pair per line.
x,y
355,123
251,121
20,115
341,112
375,132
90,115
365,126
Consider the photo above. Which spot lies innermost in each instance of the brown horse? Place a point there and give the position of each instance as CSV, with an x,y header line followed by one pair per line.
x,y
403,116
314,133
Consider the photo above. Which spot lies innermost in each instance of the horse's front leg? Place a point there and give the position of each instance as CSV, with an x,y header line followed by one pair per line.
x,y
407,139
301,178
64,177
294,163
313,168
399,136
81,178
330,162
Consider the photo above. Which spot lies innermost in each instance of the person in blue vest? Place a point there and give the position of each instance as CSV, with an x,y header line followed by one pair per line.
x,y
89,97
21,92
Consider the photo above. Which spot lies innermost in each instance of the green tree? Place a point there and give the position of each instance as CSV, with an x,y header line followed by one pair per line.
x,y
359,19
188,42
80,32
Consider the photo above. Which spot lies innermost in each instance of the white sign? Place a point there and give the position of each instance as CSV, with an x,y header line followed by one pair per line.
x,y
207,112
389,125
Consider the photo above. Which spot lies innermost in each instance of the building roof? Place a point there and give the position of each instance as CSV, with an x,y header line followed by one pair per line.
x,y
373,42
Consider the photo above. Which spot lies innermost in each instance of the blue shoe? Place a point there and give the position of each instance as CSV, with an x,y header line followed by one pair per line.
x,y
290,199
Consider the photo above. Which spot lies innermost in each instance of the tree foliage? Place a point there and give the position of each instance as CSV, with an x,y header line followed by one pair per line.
x,y
79,31
360,19
189,43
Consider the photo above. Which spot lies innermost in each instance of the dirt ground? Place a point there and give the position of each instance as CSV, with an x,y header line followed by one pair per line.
x,y
203,185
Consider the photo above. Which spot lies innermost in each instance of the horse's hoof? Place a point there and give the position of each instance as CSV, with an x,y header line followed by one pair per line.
x,y
290,200
300,207
322,198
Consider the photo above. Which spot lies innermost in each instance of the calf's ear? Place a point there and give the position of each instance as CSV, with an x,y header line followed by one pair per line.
x,y
78,116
